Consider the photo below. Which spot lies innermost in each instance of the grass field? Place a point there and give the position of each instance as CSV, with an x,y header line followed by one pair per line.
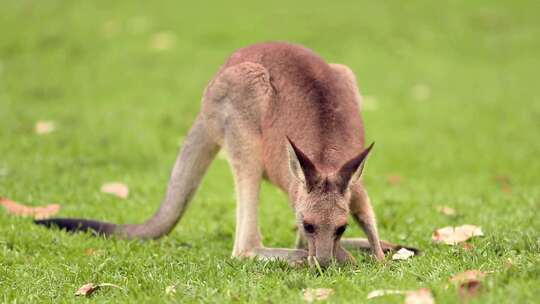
x,y
451,101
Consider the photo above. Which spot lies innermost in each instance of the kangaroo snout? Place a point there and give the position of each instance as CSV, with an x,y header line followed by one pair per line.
x,y
324,261
324,252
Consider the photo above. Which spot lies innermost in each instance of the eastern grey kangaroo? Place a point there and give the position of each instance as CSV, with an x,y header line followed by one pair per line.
x,y
280,113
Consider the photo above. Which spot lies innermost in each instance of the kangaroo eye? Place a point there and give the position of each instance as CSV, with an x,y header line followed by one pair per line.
x,y
309,228
340,230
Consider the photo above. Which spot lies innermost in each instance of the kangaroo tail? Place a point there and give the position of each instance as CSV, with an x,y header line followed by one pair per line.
x,y
193,160
70,224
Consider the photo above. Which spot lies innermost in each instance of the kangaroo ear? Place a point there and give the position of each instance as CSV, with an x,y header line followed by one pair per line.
x,y
352,170
301,167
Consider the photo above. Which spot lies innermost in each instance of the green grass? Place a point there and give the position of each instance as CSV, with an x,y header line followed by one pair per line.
x,y
452,103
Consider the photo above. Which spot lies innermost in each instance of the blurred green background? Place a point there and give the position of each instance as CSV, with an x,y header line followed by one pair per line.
x,y
451,99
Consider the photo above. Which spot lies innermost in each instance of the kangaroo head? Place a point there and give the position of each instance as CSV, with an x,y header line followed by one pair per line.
x,y
321,201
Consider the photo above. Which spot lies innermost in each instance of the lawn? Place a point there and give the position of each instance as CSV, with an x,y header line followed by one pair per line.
x,y
450,98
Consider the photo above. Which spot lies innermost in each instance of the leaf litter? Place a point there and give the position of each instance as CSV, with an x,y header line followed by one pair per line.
x,y
117,189
44,127
420,296
455,235
39,212
89,288
403,254
468,283
317,294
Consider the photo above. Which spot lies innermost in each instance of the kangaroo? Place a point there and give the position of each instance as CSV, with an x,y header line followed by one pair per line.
x,y
280,113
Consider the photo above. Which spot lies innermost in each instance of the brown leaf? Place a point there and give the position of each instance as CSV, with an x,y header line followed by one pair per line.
x,y
403,254
468,282
447,210
44,127
456,235
384,292
469,289
118,189
87,289
420,296
317,294
393,179
40,212
466,276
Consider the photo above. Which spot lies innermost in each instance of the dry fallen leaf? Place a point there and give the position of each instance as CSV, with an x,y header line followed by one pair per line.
x,y
88,288
456,235
468,282
44,127
402,254
384,292
393,179
469,289
446,210
468,275
420,296
39,213
317,294
120,190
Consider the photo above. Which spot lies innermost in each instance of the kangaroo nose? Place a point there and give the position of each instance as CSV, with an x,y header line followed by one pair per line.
x,y
324,253
324,261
